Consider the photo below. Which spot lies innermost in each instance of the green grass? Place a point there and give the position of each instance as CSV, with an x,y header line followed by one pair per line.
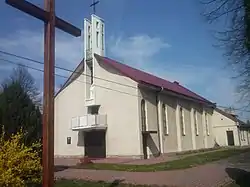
x,y
199,151
78,183
187,162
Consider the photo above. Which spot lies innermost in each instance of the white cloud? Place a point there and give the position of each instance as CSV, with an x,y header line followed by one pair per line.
x,y
29,43
136,49
68,50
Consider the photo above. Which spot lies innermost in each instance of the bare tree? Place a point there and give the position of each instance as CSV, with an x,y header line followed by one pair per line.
x,y
234,38
27,82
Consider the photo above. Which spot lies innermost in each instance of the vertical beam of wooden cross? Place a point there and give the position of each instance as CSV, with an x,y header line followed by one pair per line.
x,y
50,22
94,5
48,97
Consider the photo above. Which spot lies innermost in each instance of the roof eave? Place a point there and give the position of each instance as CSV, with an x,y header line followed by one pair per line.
x,y
170,92
69,81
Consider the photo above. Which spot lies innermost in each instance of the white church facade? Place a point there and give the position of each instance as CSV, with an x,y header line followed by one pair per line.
x,y
108,109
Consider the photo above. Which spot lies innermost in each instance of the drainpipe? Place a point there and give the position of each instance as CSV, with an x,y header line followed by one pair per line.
x,y
158,123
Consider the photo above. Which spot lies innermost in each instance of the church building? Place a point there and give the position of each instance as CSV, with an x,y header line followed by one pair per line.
x,y
109,109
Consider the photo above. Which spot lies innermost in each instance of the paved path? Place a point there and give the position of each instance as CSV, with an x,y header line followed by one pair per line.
x,y
209,175
162,158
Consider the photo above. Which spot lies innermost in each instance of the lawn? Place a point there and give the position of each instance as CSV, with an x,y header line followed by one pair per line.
x,y
187,162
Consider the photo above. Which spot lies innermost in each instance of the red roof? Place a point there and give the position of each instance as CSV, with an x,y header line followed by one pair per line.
x,y
141,76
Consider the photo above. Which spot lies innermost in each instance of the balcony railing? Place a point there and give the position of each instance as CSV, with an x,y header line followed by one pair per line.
x,y
88,122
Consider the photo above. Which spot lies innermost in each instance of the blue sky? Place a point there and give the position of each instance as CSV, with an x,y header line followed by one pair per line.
x,y
168,38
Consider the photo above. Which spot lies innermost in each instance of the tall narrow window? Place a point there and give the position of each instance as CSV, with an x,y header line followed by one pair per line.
x,y
164,119
97,39
206,123
102,38
88,41
143,115
91,74
102,42
182,123
196,123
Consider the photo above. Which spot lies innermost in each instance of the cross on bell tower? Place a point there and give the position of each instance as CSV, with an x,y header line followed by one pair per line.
x,y
94,5
94,43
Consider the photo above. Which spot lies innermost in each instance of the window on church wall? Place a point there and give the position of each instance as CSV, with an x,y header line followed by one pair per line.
x,y
164,120
97,39
102,37
91,74
102,41
89,30
206,123
88,41
182,123
143,115
196,128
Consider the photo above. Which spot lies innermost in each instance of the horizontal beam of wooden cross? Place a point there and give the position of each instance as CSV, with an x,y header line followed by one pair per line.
x,y
43,15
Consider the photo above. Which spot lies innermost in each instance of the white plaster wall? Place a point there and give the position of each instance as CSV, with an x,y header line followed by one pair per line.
x,y
69,103
151,120
199,138
169,141
120,103
244,136
210,138
221,124
186,140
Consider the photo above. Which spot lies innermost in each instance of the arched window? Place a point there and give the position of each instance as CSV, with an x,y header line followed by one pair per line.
x,y
143,115
164,120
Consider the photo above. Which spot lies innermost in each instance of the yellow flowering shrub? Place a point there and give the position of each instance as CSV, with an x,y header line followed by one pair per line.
x,y
20,165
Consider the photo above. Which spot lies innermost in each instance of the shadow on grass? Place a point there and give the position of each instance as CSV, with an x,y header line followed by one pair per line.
x,y
240,177
81,183
60,168
116,182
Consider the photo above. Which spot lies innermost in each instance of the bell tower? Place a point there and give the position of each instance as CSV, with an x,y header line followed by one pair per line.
x,y
94,43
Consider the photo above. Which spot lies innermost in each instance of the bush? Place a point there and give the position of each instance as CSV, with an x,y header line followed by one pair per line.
x,y
20,165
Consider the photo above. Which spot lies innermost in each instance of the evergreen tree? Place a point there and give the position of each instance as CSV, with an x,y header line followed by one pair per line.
x,y
18,110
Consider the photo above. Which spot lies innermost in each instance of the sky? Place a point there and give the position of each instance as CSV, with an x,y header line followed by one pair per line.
x,y
167,38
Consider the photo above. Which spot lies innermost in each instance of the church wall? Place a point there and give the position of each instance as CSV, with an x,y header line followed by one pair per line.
x,y
199,134
69,103
210,138
149,96
169,141
120,103
186,138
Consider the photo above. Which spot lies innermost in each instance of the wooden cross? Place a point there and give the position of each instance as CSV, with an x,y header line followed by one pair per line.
x,y
94,4
51,21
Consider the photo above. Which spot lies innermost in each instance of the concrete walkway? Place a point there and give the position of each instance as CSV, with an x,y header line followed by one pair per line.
x,y
209,175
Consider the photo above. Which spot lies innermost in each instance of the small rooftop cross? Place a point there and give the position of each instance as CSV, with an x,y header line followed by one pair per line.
x,y
94,4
